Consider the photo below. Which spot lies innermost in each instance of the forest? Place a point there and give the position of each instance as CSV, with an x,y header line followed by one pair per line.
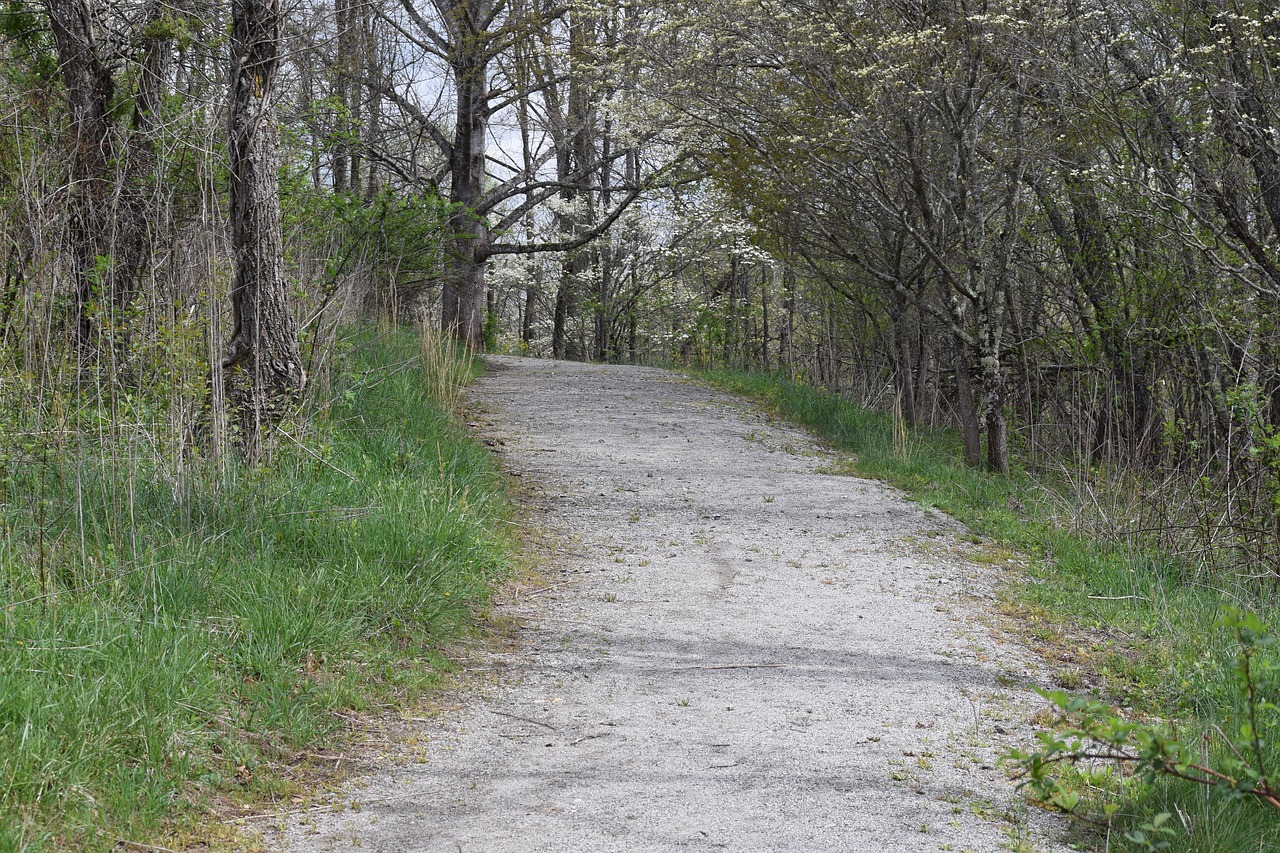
x,y
1042,235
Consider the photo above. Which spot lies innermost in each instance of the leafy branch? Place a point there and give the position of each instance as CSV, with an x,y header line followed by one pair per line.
x,y
1090,732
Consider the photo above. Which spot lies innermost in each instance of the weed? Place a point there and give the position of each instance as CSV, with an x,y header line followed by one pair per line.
x,y
445,366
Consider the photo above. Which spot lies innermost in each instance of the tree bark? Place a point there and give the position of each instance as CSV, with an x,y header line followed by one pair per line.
x,y
994,381
966,410
903,369
90,87
340,167
372,127
764,319
135,221
572,162
111,173
997,424
526,316
462,300
263,364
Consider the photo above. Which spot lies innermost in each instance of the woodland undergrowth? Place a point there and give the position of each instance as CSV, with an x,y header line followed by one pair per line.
x,y
179,633
1163,732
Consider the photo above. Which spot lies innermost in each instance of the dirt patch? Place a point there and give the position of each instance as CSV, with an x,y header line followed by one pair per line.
x,y
734,651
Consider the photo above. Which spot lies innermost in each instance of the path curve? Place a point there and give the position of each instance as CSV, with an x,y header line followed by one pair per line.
x,y
752,655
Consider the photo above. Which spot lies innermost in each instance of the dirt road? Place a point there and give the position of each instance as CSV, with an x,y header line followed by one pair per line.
x,y
747,653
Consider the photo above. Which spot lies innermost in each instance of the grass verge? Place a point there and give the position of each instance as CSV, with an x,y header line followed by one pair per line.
x,y
1119,620
166,643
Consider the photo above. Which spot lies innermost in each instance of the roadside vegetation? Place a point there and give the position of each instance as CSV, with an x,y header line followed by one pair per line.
x,y
172,639
1153,644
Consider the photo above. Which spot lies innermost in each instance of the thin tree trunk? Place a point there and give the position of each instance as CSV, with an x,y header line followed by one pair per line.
x,y
733,326
633,350
997,434
903,368
373,120
606,343
994,384
789,298
923,386
526,320
135,220
966,410
573,165
340,164
765,272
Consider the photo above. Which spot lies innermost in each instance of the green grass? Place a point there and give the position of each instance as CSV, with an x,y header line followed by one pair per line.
x,y
166,642
1136,625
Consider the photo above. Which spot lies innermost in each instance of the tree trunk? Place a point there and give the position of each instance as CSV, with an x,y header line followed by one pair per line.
x,y
573,169
603,348
903,369
765,272
733,346
789,302
135,219
993,391
997,432
462,300
340,164
923,385
564,344
526,317
263,364
90,88
372,128
966,410
111,173
633,350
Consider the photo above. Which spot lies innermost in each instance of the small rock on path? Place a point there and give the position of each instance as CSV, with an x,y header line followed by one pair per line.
x,y
753,654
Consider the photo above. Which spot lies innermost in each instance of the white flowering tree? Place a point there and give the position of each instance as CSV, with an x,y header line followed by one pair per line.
x,y
892,140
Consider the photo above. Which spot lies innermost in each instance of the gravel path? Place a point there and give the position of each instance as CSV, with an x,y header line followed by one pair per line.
x,y
747,653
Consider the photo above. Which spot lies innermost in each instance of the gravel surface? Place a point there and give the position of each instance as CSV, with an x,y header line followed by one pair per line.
x,y
738,652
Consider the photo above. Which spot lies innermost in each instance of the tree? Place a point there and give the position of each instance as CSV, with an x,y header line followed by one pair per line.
x,y
489,193
263,364
894,142
111,170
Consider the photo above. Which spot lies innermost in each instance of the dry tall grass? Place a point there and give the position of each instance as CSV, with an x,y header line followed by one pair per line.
x,y
446,367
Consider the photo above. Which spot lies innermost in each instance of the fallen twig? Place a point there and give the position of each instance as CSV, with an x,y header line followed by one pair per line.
x,y
727,666
589,737
516,596
525,719
140,846
1119,598
326,807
